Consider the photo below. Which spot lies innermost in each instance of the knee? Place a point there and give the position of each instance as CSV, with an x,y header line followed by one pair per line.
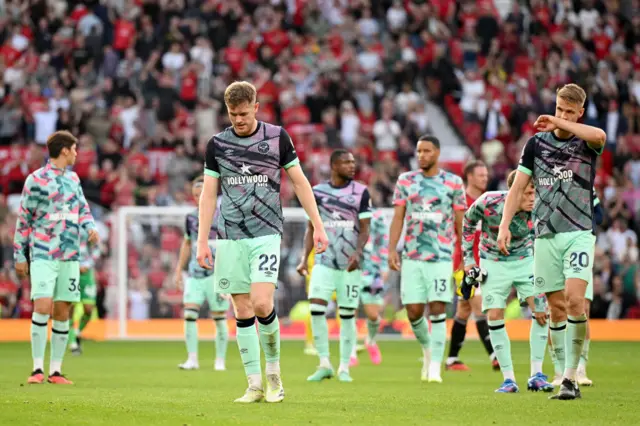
x,y
414,313
464,311
495,315
243,308
437,308
575,304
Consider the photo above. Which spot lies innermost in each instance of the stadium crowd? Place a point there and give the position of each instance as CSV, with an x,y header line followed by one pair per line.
x,y
140,82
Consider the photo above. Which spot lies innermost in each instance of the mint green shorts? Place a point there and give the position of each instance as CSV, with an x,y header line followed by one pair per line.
x,y
88,288
563,256
197,290
504,275
325,280
240,263
366,295
57,279
425,282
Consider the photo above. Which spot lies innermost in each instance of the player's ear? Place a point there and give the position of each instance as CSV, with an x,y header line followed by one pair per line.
x,y
256,106
581,113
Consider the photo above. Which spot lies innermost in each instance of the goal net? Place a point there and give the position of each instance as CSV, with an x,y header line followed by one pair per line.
x,y
143,301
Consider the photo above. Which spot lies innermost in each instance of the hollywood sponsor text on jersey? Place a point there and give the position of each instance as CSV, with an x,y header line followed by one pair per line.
x,y
428,214
247,178
65,214
337,222
559,174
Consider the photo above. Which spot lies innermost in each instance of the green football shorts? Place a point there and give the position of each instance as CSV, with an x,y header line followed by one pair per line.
x,y
240,263
197,290
562,256
425,282
325,280
502,276
56,279
370,295
88,287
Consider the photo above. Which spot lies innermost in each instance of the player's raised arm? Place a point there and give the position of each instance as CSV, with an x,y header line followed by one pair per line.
x,y
28,204
207,206
595,137
469,226
395,230
302,188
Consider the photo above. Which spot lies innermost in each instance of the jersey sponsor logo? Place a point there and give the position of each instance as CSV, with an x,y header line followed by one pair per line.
x,y
558,174
428,214
338,222
245,169
65,214
263,147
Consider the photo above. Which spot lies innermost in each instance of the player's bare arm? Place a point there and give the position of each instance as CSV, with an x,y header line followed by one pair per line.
x,y
207,208
594,136
363,237
305,195
183,259
511,206
469,226
302,268
394,236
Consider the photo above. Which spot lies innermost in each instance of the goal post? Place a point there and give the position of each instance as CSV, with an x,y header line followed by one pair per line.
x,y
145,297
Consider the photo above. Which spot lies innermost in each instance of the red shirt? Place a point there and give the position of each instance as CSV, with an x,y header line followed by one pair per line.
x,y
188,91
457,255
277,40
124,32
296,115
235,58
601,44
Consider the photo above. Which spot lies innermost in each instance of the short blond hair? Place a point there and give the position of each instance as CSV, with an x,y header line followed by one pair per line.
x,y
572,93
240,92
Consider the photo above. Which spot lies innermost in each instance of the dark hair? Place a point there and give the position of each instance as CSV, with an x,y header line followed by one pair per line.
x,y
335,155
197,180
470,167
59,140
430,138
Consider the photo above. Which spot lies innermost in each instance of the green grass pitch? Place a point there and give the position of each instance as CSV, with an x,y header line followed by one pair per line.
x,y
127,383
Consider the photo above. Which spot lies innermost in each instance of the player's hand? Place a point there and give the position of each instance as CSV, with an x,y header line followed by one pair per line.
x,y
354,262
504,240
94,238
178,280
204,256
541,317
394,260
84,269
22,269
468,267
545,123
320,239
302,268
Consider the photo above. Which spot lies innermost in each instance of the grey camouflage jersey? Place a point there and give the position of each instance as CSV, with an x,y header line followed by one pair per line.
x,y
249,172
341,210
563,173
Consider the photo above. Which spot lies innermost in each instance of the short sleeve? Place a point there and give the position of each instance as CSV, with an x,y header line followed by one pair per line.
x,y
211,167
288,156
459,198
365,211
598,150
400,194
528,157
